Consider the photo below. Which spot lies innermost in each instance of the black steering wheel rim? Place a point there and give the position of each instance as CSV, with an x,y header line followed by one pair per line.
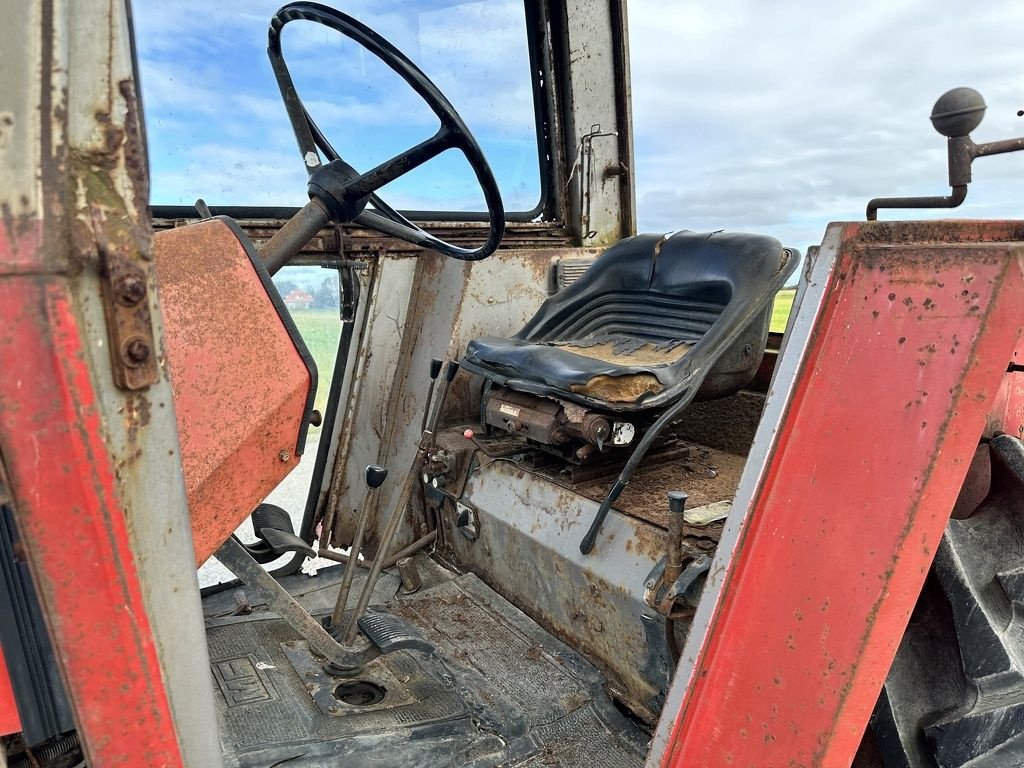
x,y
453,134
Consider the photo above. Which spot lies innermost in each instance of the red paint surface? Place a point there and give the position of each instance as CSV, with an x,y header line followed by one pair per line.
x,y
239,384
73,527
9,720
908,355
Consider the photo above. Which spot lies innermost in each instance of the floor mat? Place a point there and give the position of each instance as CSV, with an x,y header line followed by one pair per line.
x,y
497,690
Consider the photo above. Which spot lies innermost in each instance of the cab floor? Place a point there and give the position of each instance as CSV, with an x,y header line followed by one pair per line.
x,y
496,691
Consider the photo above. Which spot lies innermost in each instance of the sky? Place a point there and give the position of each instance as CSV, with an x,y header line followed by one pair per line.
x,y
748,116
217,127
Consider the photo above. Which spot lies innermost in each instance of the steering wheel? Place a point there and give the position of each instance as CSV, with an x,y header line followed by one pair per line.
x,y
344,192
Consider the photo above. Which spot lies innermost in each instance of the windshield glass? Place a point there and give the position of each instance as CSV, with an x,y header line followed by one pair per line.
x,y
217,128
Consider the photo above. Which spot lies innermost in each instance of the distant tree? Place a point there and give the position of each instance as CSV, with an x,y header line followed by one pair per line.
x,y
326,296
284,287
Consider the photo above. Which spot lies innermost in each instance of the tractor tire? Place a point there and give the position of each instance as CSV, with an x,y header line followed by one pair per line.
x,y
954,697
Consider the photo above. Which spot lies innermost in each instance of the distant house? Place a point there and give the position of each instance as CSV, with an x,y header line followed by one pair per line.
x,y
298,299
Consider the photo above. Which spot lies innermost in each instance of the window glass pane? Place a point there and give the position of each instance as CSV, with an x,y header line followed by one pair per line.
x,y
218,130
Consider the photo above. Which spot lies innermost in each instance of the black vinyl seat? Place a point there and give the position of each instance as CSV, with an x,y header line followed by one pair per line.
x,y
655,320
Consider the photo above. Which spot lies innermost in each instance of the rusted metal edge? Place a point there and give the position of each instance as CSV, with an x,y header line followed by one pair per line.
x,y
51,438
289,326
838,739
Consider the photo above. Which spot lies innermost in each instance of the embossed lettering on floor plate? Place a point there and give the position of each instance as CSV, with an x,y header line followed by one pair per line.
x,y
241,682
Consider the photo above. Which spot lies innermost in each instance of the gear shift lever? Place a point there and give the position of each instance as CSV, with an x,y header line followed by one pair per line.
x,y
375,476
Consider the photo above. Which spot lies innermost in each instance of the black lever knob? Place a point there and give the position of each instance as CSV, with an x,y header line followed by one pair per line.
x,y
453,368
677,502
958,112
435,368
375,476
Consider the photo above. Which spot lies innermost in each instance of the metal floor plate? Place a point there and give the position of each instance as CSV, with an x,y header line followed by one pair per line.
x,y
497,691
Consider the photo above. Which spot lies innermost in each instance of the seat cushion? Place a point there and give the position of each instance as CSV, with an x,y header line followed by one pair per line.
x,y
613,369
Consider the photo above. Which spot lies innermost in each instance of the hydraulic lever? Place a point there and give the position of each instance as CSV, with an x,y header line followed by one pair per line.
x,y
375,476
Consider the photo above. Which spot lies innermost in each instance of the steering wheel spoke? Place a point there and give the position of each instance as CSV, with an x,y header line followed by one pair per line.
x,y
402,163
345,192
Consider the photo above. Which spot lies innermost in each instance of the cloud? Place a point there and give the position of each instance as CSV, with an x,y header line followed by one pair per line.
x,y
781,117
209,93
226,174
747,115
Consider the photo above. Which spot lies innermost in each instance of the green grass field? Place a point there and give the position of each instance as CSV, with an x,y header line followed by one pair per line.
x,y
781,309
320,329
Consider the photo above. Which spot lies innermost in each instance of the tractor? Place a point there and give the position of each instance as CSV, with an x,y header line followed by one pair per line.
x,y
571,500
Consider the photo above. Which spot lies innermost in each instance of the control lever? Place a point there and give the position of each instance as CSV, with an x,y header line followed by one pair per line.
x,y
390,529
375,476
955,115
435,417
435,371
427,442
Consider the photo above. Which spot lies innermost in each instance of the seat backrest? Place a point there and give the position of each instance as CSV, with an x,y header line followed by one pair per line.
x,y
687,280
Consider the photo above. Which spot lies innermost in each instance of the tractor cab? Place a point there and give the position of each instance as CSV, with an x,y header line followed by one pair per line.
x,y
550,493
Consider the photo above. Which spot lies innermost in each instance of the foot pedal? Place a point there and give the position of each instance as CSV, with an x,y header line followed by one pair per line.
x,y
285,541
273,526
390,633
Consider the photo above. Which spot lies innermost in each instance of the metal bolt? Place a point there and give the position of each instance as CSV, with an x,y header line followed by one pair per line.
x,y
131,289
136,352
284,455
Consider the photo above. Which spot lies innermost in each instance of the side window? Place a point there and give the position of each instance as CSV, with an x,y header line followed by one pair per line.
x,y
217,128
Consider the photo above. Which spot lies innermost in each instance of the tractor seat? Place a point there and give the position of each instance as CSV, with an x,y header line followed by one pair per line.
x,y
656,318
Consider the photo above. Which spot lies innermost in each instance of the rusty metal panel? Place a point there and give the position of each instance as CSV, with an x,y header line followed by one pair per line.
x,y
894,359
374,395
528,551
598,122
240,385
89,463
66,502
501,294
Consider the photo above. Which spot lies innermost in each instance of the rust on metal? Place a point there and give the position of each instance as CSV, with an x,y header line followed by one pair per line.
x,y
411,581
1008,414
240,386
94,603
708,475
129,323
578,604
360,243
83,471
394,415
882,360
